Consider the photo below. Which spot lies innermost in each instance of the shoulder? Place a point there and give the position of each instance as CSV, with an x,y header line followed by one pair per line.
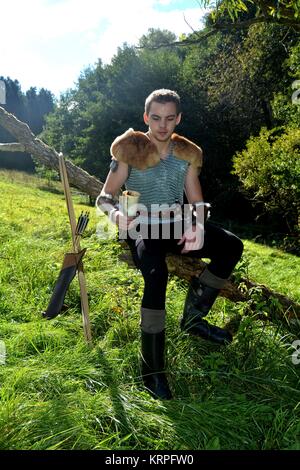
x,y
135,149
187,150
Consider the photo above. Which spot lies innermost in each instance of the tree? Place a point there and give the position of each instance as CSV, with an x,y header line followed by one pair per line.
x,y
269,169
109,99
38,105
286,103
155,37
275,11
30,107
229,80
235,15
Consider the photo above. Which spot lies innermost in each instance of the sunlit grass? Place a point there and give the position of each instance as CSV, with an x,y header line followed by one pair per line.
x,y
56,393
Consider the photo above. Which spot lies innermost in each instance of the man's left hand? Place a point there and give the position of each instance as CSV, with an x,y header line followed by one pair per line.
x,y
193,238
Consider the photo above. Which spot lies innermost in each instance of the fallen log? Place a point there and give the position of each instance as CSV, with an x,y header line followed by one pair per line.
x,y
182,266
185,267
12,147
46,155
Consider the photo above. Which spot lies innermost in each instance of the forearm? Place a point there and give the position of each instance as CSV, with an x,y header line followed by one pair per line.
x,y
106,201
200,212
108,205
199,208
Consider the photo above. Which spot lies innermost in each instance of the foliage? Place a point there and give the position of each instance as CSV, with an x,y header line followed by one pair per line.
x,y
217,80
269,166
286,103
269,169
229,81
31,107
109,99
270,9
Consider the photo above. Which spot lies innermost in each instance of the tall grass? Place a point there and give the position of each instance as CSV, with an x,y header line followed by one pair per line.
x,y
56,393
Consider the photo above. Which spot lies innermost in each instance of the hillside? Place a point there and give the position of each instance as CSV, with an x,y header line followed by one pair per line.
x,y
56,393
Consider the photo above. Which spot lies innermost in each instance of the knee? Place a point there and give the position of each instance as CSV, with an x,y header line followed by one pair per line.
x,y
230,246
156,279
236,247
156,274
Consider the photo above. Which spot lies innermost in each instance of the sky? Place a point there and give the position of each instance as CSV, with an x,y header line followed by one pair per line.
x,y
47,43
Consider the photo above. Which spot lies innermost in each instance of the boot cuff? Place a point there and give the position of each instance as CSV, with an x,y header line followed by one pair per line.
x,y
211,280
152,321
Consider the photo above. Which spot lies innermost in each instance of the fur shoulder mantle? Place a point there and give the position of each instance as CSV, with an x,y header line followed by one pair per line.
x,y
137,150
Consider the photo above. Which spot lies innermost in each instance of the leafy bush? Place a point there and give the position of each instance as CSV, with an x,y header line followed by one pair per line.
x,y
269,169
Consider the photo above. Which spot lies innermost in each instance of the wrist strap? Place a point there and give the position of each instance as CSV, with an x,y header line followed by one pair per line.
x,y
112,214
206,207
106,203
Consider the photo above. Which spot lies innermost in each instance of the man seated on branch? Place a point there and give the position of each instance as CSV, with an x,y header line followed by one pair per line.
x,y
160,166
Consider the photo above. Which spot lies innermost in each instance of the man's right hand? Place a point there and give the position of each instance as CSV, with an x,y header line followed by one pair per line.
x,y
193,238
121,220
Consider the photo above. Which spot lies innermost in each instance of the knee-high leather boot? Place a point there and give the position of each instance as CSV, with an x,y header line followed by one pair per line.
x,y
153,365
199,300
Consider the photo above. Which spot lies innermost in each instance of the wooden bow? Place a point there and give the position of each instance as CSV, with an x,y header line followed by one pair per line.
x,y
76,231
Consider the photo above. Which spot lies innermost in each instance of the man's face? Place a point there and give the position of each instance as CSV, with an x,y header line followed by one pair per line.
x,y
162,120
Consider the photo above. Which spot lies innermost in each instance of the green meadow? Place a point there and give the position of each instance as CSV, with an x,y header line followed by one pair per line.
x,y
57,393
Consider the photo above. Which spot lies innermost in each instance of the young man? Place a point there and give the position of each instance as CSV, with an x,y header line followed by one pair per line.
x,y
161,166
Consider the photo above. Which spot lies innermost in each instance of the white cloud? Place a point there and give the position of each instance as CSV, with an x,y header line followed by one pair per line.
x,y
118,32
48,42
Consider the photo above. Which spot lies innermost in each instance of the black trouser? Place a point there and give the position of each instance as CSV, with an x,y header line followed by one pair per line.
x,y
223,248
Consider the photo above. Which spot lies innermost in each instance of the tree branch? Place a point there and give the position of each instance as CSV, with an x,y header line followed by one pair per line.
x,y
46,155
12,147
227,27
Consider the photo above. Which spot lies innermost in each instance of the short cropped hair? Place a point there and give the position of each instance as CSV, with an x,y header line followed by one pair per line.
x,y
163,96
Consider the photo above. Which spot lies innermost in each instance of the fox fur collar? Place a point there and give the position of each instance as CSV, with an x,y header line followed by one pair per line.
x,y
137,150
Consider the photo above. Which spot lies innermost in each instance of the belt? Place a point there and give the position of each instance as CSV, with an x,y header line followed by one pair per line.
x,y
168,213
